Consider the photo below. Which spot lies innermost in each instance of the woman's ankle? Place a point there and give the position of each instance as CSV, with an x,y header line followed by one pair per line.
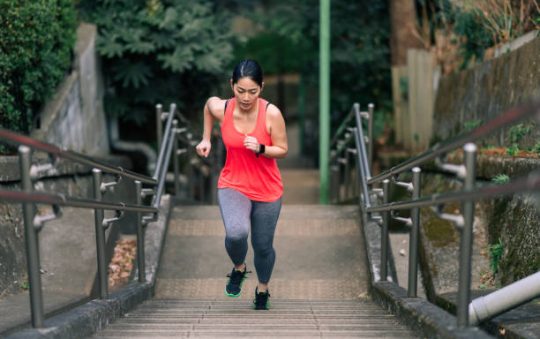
x,y
241,268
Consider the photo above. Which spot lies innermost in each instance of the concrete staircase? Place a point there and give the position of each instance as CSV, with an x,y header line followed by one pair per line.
x,y
230,319
319,284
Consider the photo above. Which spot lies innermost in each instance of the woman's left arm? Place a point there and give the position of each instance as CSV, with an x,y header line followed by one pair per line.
x,y
278,133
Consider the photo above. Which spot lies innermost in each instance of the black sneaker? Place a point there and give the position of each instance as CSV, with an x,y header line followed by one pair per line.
x,y
234,286
261,300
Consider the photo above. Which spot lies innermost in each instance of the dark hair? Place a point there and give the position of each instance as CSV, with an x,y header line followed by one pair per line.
x,y
248,68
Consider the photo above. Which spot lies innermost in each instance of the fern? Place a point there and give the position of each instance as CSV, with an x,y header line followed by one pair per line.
x,y
501,179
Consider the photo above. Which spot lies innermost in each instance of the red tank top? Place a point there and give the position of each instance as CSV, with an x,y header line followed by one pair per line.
x,y
256,177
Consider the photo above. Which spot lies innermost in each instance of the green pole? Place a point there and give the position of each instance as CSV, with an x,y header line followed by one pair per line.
x,y
324,97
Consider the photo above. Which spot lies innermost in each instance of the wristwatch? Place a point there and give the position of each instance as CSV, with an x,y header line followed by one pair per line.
x,y
262,148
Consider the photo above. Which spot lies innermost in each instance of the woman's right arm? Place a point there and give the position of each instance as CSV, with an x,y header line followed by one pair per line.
x,y
213,110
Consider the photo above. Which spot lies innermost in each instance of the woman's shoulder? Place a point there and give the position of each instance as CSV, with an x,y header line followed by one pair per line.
x,y
272,110
216,104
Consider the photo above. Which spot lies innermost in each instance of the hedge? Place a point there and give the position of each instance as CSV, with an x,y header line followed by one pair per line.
x,y
36,44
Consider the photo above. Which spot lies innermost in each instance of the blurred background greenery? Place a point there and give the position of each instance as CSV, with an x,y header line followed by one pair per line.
x,y
183,51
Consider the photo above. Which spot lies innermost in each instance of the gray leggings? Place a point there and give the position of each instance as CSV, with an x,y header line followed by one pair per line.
x,y
239,213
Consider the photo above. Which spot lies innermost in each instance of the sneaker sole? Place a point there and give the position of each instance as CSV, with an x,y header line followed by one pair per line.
x,y
267,308
231,295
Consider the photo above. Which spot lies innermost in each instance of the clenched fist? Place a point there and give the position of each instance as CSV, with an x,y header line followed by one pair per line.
x,y
203,148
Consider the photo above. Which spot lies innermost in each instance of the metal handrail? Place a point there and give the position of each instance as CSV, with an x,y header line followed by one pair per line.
x,y
528,183
29,199
61,200
468,312
19,139
512,116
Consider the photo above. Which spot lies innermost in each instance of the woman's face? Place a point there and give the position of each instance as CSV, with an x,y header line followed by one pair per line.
x,y
246,92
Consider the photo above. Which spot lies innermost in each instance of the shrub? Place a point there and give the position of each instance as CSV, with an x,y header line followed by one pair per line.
x,y
36,41
157,50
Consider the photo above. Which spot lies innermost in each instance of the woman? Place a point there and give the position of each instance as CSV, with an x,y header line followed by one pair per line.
x,y
249,187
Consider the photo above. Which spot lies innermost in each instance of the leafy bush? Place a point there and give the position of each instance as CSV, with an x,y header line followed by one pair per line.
x,y
513,150
462,31
501,179
536,148
36,41
517,132
166,51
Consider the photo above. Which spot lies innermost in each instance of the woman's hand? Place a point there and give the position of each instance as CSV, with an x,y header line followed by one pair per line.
x,y
251,143
203,148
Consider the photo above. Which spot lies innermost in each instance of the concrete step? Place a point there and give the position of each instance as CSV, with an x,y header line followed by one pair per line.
x,y
236,318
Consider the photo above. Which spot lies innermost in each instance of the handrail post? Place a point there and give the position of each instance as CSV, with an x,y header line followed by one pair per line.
x,y
175,158
347,173
100,238
140,235
371,108
412,289
159,126
360,132
465,250
384,231
362,169
31,241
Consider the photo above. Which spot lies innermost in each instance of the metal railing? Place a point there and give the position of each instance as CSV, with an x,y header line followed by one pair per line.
x,y
376,205
146,212
201,173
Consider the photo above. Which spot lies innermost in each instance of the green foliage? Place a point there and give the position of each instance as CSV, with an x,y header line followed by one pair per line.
x,y
24,285
517,132
472,124
512,150
495,253
158,50
36,41
360,55
278,53
500,179
536,148
477,38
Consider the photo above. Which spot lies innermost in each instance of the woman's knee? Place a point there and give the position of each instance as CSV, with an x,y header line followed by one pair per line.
x,y
263,249
236,237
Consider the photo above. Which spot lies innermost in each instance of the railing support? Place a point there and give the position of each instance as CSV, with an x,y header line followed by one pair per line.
x,y
465,251
371,109
384,232
412,289
159,126
175,159
100,238
31,241
140,235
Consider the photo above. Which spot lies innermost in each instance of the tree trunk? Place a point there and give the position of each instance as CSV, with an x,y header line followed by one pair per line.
x,y
403,25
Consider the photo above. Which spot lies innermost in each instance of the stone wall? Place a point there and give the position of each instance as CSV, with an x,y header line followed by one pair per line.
x,y
74,118
487,90
480,94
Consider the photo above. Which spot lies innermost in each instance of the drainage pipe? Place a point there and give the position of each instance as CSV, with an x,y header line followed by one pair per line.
x,y
506,298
